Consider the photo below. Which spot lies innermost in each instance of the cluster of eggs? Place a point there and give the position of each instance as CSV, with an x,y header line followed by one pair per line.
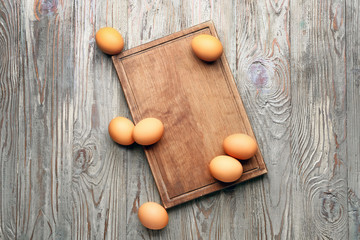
x,y
147,132
225,168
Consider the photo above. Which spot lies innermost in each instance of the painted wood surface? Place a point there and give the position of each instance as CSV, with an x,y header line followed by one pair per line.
x,y
296,66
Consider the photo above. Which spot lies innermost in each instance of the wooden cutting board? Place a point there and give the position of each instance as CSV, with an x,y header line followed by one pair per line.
x,y
198,103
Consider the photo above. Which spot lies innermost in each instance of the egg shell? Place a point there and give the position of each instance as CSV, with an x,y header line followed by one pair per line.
x,y
240,146
121,130
148,131
225,168
207,47
153,216
109,40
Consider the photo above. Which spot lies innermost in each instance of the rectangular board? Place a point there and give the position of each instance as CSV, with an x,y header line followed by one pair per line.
x,y
198,103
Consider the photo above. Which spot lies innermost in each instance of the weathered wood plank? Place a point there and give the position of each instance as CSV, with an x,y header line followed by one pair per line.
x,y
263,75
353,115
10,69
45,120
98,187
318,122
70,181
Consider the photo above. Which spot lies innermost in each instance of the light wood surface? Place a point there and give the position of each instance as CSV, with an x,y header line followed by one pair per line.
x,y
296,67
199,105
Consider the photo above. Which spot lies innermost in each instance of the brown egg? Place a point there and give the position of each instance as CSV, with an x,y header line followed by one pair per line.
x,y
153,216
207,47
225,168
148,131
121,130
109,40
240,146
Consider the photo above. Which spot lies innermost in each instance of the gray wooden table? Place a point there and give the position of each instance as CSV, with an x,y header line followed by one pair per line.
x,y
297,68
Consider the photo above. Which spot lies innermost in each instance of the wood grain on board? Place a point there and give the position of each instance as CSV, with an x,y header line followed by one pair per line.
x,y
199,105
